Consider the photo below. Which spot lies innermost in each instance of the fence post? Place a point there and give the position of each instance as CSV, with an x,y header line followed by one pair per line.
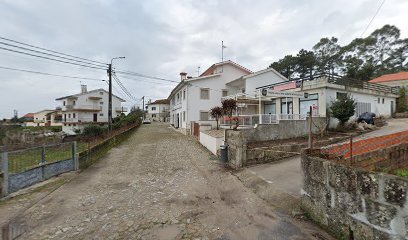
x,y
43,161
310,131
4,163
75,155
351,150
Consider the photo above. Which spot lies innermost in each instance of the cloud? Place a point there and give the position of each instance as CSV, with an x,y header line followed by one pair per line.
x,y
163,38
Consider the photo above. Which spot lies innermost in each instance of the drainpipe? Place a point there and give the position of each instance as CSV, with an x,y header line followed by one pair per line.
x,y
259,106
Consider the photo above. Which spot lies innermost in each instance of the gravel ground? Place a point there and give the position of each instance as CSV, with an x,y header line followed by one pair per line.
x,y
159,184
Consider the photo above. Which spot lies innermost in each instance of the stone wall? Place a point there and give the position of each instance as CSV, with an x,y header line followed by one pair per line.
x,y
354,203
237,140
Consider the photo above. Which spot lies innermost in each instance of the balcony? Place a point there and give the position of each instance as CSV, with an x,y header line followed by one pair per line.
x,y
84,108
121,109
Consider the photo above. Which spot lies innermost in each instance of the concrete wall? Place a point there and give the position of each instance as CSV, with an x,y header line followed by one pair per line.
x,y
212,143
353,202
27,178
237,140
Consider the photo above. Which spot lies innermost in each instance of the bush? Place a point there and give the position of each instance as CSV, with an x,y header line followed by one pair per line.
x,y
343,108
402,100
93,130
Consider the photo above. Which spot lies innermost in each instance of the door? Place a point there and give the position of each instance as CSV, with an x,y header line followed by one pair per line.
x,y
95,117
392,108
178,120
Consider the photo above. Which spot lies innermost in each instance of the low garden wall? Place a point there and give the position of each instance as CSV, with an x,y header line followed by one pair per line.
x,y
354,202
237,140
212,140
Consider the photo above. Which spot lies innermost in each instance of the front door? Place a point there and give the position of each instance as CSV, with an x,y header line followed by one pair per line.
x,y
95,117
178,120
392,108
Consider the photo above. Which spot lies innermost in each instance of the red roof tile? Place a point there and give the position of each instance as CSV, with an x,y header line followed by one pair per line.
x,y
391,77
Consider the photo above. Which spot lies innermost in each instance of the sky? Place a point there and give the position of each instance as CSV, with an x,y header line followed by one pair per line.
x,y
165,37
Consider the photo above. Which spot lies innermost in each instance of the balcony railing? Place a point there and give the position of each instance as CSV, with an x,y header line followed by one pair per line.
x,y
121,109
82,107
251,120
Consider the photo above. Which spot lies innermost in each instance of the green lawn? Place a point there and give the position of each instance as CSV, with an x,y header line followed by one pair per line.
x,y
23,160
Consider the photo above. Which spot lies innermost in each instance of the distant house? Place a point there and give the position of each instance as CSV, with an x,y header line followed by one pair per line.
x,y
192,99
159,110
393,80
29,117
82,109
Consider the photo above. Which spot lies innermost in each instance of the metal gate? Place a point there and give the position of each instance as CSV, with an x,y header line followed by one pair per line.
x,y
196,129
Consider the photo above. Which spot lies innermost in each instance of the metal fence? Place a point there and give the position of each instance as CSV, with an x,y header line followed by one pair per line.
x,y
23,168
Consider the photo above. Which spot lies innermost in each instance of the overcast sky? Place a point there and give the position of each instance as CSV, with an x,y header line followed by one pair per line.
x,y
163,38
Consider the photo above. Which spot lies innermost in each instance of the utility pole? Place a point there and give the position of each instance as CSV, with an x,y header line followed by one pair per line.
x,y
143,110
110,93
110,98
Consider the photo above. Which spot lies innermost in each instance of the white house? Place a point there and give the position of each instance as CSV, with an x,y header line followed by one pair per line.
x,y
82,109
192,99
393,80
159,110
292,99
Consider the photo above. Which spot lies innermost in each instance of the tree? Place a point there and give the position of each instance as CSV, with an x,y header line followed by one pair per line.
x,y
228,107
343,108
305,63
217,113
327,52
402,100
285,66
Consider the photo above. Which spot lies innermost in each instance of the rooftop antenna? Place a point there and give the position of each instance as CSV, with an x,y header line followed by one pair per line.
x,y
222,51
198,71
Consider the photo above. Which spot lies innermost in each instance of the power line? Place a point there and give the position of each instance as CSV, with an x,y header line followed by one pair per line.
x,y
147,81
378,10
10,40
145,76
123,87
49,74
53,59
50,54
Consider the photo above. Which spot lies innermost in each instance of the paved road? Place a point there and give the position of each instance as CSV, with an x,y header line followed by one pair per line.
x,y
286,175
159,184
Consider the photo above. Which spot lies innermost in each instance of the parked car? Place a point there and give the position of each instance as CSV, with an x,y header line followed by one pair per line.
x,y
146,121
367,117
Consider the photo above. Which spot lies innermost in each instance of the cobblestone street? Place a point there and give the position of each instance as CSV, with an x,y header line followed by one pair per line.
x,y
159,184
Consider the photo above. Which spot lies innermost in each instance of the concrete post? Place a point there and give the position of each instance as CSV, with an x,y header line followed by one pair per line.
x,y
43,161
260,106
4,164
75,156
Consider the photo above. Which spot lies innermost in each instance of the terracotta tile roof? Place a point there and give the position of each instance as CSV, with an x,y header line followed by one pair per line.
x,y
29,115
161,101
210,70
391,77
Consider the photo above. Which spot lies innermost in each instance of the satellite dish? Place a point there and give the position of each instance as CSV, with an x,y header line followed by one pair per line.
x,y
264,92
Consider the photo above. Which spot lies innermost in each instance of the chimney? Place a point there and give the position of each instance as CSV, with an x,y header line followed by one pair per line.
x,y
183,76
83,89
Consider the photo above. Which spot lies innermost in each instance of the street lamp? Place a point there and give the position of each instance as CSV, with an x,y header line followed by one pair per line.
x,y
110,93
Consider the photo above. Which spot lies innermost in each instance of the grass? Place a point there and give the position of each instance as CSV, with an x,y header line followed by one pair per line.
x,y
401,173
30,158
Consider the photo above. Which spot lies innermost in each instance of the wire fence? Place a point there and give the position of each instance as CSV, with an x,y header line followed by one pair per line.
x,y
23,160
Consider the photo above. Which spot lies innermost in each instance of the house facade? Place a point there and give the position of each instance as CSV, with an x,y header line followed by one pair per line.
x,y
192,99
87,107
293,99
159,110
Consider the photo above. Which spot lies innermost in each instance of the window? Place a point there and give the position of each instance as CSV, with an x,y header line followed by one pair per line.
x,y
153,115
73,115
184,116
178,97
63,103
205,93
101,103
340,95
184,95
73,102
383,101
379,100
203,116
69,115
69,125
74,124
101,114
224,93
153,108
101,93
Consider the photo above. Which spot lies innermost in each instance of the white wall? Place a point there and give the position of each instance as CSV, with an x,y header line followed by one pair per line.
x,y
262,79
210,142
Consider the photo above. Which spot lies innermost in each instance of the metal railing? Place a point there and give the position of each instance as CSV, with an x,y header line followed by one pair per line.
x,y
83,107
252,120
